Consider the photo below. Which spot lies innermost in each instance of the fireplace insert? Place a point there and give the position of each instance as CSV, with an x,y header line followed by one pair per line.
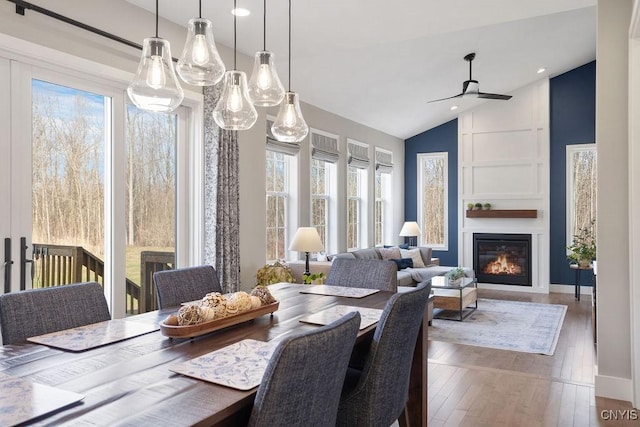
x,y
502,258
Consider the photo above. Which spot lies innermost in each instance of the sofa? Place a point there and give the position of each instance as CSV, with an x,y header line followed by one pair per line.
x,y
424,265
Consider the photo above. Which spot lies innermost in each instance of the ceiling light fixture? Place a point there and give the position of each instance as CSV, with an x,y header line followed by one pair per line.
x,y
240,11
265,88
200,63
155,86
453,107
290,126
234,110
541,70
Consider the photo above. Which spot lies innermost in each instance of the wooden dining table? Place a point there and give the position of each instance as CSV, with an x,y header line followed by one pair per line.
x,y
129,382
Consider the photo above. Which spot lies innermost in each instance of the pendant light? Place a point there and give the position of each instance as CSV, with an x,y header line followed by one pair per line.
x,y
265,88
155,86
234,110
290,126
200,63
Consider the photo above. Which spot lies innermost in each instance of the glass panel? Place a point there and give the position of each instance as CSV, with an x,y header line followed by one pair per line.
x,y
433,202
584,189
150,146
69,131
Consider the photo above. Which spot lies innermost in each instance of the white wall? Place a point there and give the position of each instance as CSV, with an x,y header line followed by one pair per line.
x,y
503,159
613,377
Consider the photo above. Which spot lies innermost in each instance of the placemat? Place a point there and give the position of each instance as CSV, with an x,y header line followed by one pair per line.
x,y
338,291
22,400
94,335
240,365
368,316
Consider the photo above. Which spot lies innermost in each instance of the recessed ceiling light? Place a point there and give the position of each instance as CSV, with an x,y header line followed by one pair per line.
x,y
240,11
453,107
541,70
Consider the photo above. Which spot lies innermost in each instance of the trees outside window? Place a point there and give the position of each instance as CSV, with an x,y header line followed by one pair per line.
x,y
381,213
581,192
320,198
432,199
354,214
277,186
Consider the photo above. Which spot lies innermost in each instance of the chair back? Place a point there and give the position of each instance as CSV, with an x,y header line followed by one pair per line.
x,y
35,312
173,287
302,383
364,273
377,395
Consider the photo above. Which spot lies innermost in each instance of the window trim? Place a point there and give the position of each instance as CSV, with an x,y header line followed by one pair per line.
x,y
419,198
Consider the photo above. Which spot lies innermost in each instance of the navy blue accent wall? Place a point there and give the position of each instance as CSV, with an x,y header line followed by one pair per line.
x,y
439,139
573,121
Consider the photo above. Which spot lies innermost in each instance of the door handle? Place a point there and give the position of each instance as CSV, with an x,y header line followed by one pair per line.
x,y
7,265
23,263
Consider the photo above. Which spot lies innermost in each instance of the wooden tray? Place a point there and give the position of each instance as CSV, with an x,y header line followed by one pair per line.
x,y
214,325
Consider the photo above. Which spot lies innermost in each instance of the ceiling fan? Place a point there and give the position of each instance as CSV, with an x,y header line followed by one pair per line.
x,y
471,88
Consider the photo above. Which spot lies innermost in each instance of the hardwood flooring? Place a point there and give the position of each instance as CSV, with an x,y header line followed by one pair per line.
x,y
476,386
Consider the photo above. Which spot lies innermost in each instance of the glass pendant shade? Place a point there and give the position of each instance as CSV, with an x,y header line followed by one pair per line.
x,y
234,110
290,126
200,63
155,86
265,87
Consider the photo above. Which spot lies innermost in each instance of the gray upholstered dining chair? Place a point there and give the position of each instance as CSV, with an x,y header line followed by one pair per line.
x,y
377,394
363,273
173,287
34,312
301,385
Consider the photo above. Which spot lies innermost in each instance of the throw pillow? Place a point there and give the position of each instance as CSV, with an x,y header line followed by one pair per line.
x,y
402,246
403,263
415,255
390,253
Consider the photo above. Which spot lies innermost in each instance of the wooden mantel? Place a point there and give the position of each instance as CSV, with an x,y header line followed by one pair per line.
x,y
502,213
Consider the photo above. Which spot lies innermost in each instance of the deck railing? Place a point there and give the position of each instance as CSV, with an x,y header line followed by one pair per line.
x,y
55,265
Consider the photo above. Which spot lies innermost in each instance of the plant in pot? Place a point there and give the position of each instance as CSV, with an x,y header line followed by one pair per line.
x,y
478,206
454,276
313,278
274,273
470,206
487,206
582,249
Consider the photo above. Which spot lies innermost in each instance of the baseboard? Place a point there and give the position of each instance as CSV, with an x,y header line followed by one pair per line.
x,y
512,288
614,388
569,289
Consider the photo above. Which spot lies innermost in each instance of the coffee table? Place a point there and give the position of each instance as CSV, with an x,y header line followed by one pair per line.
x,y
456,299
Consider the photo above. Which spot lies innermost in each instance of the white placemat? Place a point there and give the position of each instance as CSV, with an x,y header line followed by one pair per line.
x,y
368,316
22,400
338,291
240,365
94,335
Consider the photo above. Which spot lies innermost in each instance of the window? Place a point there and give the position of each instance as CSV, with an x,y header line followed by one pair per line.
x,y
277,201
382,190
432,199
353,208
581,192
324,155
320,198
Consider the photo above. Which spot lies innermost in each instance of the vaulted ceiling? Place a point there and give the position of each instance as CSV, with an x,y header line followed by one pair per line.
x,y
378,62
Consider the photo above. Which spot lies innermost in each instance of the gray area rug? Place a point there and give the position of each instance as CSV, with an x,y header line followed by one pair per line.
x,y
507,325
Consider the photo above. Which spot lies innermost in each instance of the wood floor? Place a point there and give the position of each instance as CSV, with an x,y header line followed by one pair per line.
x,y
476,386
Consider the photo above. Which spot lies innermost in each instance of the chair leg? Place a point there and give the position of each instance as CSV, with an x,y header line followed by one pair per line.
x,y
403,420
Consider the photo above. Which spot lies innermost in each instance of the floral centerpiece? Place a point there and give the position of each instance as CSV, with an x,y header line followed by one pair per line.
x,y
454,276
316,278
274,273
582,249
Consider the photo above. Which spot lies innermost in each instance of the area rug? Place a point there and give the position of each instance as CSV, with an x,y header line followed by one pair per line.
x,y
507,325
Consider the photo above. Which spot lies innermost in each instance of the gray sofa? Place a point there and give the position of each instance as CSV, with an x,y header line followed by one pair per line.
x,y
406,277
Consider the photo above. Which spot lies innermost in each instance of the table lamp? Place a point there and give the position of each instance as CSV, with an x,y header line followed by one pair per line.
x,y
306,240
410,229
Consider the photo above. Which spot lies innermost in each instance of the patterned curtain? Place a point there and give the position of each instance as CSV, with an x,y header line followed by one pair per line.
x,y
221,198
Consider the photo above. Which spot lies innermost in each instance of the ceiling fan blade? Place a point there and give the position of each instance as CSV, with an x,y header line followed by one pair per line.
x,y
494,96
444,99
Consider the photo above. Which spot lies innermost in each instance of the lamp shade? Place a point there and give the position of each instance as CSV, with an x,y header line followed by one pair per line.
x,y
410,229
306,239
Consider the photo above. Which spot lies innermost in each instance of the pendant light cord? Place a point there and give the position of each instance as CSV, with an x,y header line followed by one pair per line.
x,y
264,25
156,18
200,9
234,32
289,45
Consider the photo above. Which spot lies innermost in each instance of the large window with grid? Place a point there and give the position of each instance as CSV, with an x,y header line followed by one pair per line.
x,y
320,174
432,199
277,186
581,189
354,211
382,190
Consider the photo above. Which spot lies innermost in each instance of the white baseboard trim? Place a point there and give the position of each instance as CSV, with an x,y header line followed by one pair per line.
x,y
614,387
569,289
513,288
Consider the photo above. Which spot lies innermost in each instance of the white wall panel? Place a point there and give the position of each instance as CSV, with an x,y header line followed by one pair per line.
x,y
507,145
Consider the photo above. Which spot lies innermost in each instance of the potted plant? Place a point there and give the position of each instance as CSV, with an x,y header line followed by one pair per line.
x,y
315,278
469,206
478,206
274,273
582,249
487,206
454,276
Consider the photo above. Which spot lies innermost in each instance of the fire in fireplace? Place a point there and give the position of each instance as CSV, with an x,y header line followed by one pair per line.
x,y
502,258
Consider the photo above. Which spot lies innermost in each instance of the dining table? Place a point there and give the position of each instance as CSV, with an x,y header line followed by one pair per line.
x,y
129,382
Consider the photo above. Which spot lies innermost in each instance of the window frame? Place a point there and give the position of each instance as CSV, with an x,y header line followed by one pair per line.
x,y
571,149
421,157
286,196
385,202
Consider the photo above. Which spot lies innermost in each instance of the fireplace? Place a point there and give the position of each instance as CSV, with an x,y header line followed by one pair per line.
x,y
502,258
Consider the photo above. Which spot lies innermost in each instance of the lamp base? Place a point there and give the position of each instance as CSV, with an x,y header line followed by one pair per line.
x,y
306,264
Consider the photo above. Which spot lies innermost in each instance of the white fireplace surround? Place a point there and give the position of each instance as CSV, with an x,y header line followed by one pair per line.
x,y
503,159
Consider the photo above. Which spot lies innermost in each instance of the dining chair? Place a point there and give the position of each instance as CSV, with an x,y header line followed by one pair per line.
x,y
377,394
173,287
35,312
302,383
364,273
